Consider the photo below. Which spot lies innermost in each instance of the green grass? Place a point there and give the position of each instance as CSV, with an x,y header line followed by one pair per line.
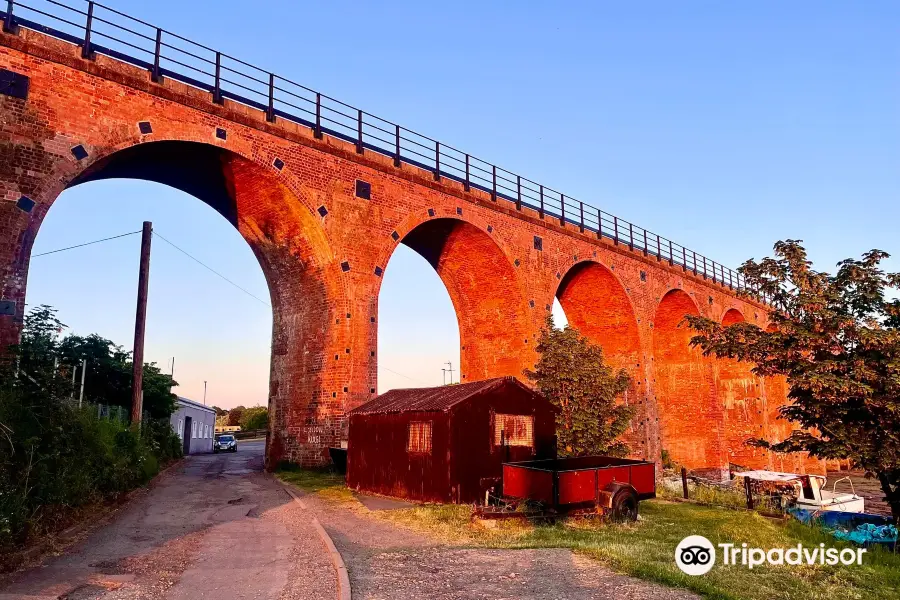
x,y
646,549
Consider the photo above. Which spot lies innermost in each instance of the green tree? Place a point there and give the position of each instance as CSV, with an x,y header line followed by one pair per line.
x,y
836,338
109,375
573,375
220,412
234,416
255,417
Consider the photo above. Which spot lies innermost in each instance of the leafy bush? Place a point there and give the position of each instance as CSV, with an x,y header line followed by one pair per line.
x,y
56,456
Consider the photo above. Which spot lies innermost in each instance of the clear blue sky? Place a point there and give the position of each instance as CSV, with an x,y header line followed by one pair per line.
x,y
725,126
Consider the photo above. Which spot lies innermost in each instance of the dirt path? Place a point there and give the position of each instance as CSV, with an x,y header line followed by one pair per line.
x,y
387,562
216,527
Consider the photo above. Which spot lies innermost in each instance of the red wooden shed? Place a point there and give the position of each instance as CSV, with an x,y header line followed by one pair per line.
x,y
447,444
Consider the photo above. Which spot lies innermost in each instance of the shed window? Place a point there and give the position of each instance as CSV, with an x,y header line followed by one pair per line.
x,y
419,440
515,430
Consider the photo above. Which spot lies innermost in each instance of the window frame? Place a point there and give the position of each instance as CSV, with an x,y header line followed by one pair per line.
x,y
499,421
427,426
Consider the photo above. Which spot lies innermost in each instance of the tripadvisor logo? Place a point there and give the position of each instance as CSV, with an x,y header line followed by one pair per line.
x,y
696,555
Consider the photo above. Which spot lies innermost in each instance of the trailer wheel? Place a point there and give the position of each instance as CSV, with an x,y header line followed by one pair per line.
x,y
624,503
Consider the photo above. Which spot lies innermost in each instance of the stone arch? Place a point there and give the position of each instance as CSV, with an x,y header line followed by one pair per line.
x,y
689,419
304,284
493,316
743,405
595,302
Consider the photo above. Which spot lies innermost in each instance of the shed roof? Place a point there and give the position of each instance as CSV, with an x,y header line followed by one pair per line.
x,y
434,399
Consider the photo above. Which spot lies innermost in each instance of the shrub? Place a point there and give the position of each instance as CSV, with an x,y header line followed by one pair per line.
x,y
55,456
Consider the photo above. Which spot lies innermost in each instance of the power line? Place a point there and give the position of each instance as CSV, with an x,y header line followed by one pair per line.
x,y
211,270
402,375
115,237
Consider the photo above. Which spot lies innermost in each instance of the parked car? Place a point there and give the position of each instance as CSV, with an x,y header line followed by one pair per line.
x,y
225,442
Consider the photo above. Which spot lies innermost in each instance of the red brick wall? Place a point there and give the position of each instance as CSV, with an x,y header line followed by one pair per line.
x,y
323,250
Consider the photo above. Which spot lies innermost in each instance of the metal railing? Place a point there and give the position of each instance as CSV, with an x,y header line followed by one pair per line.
x,y
99,29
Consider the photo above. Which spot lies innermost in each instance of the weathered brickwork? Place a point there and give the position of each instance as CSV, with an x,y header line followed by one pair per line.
x,y
324,251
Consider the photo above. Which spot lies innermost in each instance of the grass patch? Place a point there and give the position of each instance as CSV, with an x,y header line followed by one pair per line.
x,y
325,483
646,549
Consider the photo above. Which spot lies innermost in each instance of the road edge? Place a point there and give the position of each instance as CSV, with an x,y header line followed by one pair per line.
x,y
337,561
32,556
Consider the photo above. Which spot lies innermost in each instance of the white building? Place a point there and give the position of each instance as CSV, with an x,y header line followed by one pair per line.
x,y
195,424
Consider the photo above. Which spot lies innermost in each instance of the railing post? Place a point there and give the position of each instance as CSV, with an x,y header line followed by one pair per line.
x,y
704,267
695,262
581,216
86,48
359,132
730,282
541,211
671,255
518,192
631,236
616,230
658,250
8,25
270,111
155,74
396,145
599,224
217,90
683,258
645,242
494,183
317,132
562,209
437,161
466,185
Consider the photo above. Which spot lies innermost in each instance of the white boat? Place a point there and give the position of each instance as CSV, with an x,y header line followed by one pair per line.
x,y
809,491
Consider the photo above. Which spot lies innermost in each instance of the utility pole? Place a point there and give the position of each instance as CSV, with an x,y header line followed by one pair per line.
x,y
83,371
204,392
140,324
450,364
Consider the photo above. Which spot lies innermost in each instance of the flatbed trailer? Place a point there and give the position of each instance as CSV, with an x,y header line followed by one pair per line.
x,y
604,484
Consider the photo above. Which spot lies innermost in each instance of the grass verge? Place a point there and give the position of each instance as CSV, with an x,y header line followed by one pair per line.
x,y
646,549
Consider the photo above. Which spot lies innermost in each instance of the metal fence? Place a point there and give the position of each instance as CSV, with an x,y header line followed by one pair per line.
x,y
100,29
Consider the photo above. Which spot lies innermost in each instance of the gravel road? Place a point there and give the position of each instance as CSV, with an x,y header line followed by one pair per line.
x,y
215,527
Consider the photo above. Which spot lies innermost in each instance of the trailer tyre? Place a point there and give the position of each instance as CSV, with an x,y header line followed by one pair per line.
x,y
624,504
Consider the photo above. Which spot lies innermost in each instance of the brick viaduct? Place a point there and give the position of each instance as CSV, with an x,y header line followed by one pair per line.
x,y
323,250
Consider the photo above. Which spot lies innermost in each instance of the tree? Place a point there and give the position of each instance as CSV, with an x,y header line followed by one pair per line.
x,y
234,416
109,375
836,338
255,417
573,375
220,412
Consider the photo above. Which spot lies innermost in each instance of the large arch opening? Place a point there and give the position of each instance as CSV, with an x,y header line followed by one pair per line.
x,y
595,302
689,420
492,315
291,250
744,409
418,332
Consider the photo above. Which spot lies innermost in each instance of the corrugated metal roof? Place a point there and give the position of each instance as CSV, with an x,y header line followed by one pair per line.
x,y
436,399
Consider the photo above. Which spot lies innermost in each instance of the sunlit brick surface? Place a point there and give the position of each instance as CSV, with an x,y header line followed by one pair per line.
x,y
323,251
